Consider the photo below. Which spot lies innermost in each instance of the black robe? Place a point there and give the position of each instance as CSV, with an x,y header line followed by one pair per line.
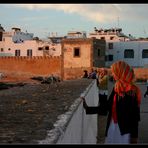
x,y
128,113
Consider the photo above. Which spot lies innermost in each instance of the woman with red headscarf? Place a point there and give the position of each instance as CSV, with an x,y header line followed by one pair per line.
x,y
123,106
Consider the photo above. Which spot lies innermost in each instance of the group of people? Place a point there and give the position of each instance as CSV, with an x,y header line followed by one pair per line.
x,y
91,75
121,109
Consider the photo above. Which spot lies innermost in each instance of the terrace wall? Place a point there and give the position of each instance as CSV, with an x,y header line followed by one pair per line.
x,y
31,66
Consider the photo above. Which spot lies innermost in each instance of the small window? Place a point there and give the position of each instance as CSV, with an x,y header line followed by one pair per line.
x,y
29,52
111,38
17,52
106,58
129,53
2,49
145,53
110,57
9,49
110,45
102,38
76,52
99,52
40,48
47,48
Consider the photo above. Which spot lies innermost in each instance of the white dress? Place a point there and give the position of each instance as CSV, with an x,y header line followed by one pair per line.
x,y
114,136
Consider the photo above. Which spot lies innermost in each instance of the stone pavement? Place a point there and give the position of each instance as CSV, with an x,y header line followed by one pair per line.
x,y
143,124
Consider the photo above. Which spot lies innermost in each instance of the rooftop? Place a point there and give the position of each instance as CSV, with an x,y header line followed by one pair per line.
x,y
28,111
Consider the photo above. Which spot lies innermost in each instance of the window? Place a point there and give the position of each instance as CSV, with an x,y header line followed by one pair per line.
x,y
145,53
9,49
99,52
129,53
1,36
102,38
29,52
76,52
17,52
110,45
109,58
111,38
47,48
2,49
40,48
106,57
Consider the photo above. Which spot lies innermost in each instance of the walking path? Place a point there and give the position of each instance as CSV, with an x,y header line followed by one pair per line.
x,y
143,124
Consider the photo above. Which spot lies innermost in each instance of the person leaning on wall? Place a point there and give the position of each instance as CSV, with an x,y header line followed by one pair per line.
x,y
123,107
103,94
146,92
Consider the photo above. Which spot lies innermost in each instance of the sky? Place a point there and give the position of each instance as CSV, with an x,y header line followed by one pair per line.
x,y
43,19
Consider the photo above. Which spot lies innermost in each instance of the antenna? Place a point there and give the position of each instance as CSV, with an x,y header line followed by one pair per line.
x,y
118,21
144,32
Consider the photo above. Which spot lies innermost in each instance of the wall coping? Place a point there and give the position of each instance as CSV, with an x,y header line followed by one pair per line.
x,y
61,124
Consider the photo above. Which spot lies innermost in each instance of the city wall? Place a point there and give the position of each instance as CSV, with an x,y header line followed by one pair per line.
x,y
141,73
75,73
74,126
31,66
44,66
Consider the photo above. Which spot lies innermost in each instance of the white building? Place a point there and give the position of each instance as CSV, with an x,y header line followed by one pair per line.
x,y
134,53
122,47
109,35
76,34
20,37
17,43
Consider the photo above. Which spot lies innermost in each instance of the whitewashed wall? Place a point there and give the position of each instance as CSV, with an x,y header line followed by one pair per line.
x,y
118,53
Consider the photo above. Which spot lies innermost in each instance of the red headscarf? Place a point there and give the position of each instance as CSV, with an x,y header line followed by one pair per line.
x,y
124,76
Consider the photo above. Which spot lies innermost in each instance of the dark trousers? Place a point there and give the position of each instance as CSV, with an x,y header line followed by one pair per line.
x,y
103,104
101,119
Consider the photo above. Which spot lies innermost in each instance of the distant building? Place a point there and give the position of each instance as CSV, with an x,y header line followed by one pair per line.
x,y
113,34
82,54
20,37
17,43
1,32
122,47
133,52
76,34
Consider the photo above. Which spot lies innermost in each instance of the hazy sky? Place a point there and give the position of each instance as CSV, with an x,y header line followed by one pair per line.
x,y
42,19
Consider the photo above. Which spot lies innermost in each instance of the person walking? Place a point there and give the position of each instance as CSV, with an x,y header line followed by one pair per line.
x,y
123,107
146,93
103,89
103,94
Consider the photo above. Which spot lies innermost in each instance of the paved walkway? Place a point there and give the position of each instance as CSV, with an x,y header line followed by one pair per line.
x,y
143,124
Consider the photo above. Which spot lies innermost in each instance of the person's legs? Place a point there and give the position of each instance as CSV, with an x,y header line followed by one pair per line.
x,y
146,93
102,120
103,104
